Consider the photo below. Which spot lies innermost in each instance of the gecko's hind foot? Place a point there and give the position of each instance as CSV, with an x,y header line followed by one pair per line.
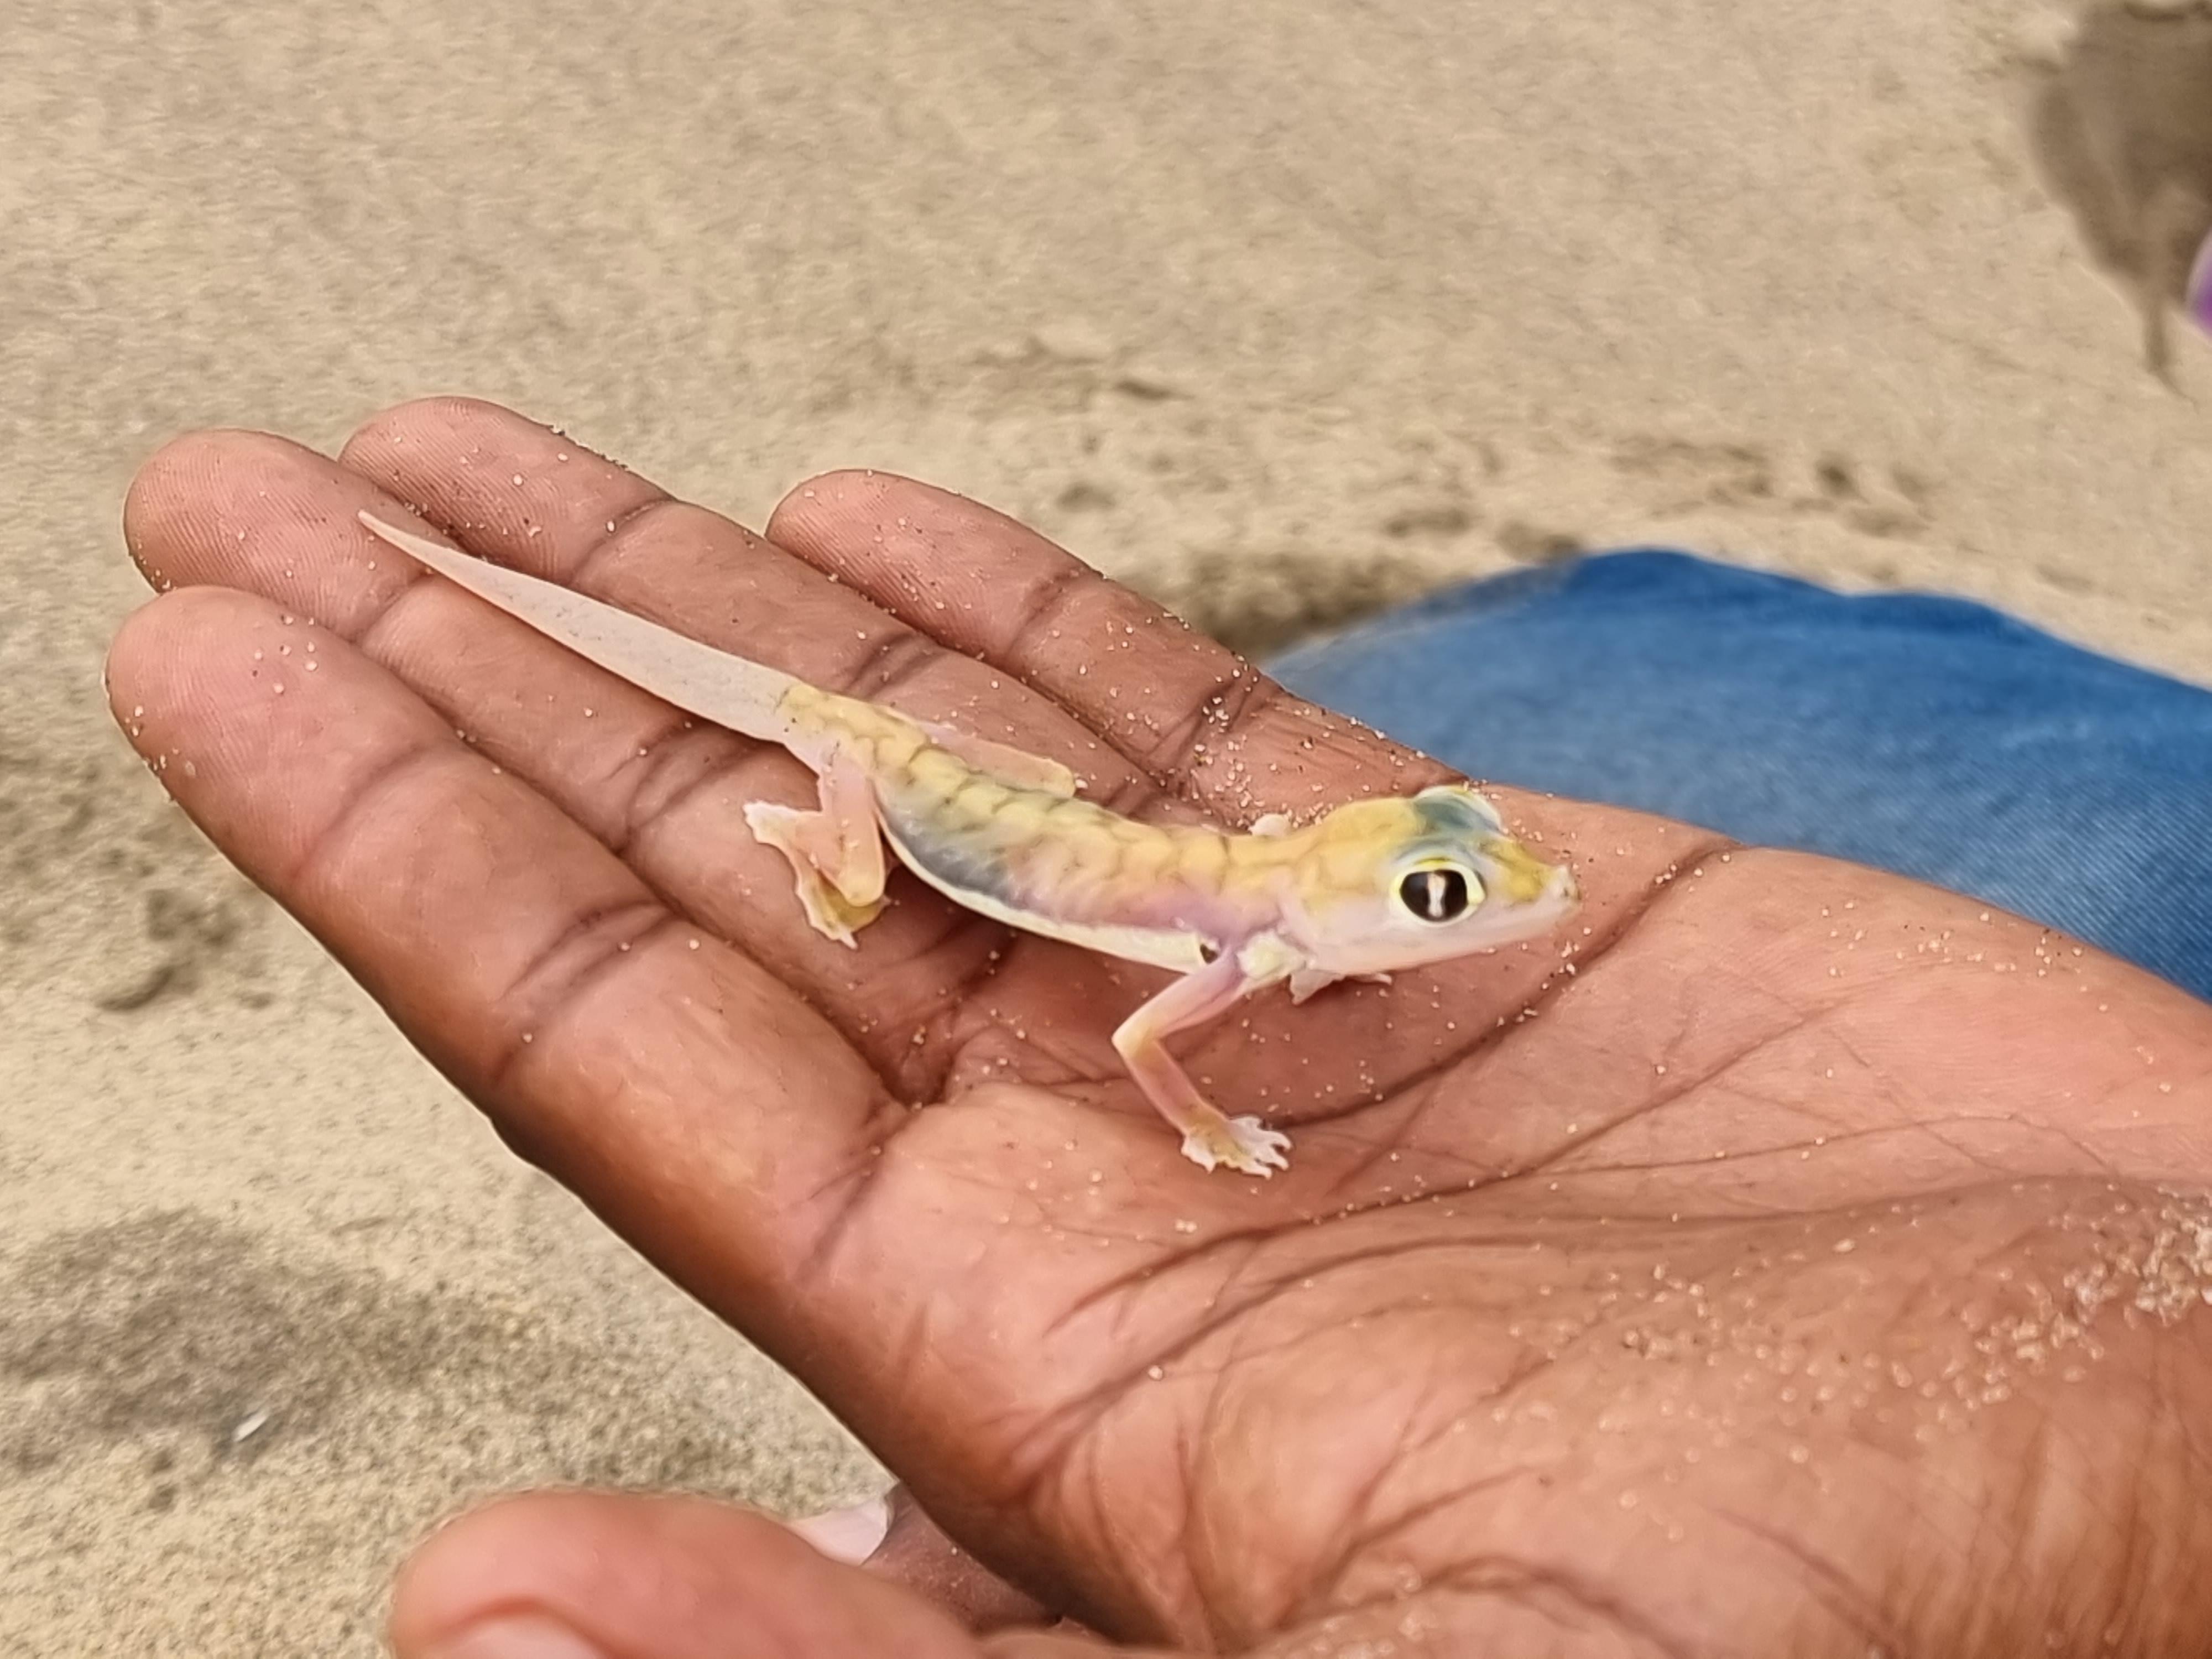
x,y
1242,1144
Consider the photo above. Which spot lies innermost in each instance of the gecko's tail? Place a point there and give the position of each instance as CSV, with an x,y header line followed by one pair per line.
x,y
730,691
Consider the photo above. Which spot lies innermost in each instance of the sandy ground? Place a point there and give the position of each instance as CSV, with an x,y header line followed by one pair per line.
x,y
1271,311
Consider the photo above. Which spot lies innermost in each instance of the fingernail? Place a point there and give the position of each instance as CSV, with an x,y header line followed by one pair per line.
x,y
850,1534
523,1636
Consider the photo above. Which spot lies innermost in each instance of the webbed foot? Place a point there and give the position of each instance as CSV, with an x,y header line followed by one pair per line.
x,y
839,900
1242,1144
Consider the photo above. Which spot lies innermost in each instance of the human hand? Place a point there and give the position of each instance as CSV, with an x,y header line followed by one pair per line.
x,y
1806,1263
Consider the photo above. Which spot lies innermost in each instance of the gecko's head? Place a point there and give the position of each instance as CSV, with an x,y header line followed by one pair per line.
x,y
1425,879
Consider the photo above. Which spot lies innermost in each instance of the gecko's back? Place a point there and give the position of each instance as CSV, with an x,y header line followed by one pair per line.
x,y
1070,868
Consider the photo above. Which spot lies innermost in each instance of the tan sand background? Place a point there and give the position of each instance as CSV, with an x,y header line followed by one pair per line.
x,y
1271,310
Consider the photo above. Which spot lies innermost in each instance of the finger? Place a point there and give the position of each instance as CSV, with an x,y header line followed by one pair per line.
x,y
637,1578
511,490
607,1575
1191,713
1167,696
675,1086
1175,701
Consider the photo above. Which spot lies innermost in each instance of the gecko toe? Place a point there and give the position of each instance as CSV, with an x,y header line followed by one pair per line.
x,y
1241,1144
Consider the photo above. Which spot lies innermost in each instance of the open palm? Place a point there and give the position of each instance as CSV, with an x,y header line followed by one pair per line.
x,y
1787,1258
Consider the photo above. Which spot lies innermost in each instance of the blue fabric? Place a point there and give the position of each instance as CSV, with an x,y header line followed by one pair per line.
x,y
1928,736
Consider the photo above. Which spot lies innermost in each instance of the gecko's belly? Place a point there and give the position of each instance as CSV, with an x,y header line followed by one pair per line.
x,y
978,883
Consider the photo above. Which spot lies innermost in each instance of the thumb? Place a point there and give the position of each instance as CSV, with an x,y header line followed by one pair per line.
x,y
599,1575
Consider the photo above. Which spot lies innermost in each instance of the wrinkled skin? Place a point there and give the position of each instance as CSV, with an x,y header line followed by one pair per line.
x,y
1814,1269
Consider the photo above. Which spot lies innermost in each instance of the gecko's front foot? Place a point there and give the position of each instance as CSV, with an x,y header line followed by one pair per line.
x,y
1242,1144
841,893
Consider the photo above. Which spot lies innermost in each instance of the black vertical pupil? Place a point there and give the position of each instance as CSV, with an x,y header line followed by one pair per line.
x,y
1435,895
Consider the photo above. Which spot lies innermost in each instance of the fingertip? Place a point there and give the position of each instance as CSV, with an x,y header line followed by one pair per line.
x,y
153,642
434,421
261,723
189,483
474,1566
513,484
860,522
407,447
163,482
162,677
812,506
129,651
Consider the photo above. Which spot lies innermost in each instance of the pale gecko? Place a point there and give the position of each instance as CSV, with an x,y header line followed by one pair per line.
x,y
1369,887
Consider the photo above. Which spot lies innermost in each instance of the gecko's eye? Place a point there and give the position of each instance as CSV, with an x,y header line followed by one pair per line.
x,y
1439,893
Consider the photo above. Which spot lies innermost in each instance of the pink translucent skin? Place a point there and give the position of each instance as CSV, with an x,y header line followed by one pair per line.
x,y
2200,288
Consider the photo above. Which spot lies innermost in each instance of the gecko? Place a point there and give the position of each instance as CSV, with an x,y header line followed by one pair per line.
x,y
1370,887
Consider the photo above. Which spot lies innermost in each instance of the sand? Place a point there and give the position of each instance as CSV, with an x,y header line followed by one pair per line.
x,y
1273,312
